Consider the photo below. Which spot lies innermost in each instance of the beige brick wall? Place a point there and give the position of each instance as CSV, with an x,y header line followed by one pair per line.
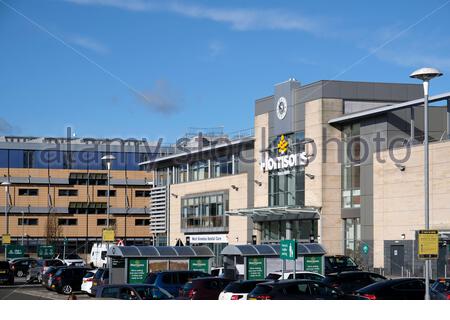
x,y
325,189
261,198
399,195
237,200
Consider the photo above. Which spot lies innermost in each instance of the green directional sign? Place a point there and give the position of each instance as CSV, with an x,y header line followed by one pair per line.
x,y
313,264
15,251
288,249
365,249
199,264
137,270
46,252
255,268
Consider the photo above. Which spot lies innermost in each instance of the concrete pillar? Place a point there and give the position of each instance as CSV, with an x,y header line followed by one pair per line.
x,y
448,119
258,232
412,125
288,230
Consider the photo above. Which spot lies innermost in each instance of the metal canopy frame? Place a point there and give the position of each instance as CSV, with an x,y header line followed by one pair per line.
x,y
160,252
278,213
271,250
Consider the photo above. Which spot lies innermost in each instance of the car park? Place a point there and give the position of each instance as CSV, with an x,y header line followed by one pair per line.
x,y
68,279
101,278
440,289
395,289
278,275
208,288
297,290
132,292
87,280
350,281
173,281
38,268
21,266
238,290
339,263
6,273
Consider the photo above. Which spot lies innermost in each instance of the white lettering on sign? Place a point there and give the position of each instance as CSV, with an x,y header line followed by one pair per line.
x,y
284,162
209,238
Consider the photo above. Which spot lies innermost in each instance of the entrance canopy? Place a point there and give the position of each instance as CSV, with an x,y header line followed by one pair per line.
x,y
162,252
271,250
278,213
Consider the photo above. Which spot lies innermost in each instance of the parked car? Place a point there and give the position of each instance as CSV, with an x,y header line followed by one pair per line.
x,y
204,288
440,289
97,258
339,263
238,290
47,276
395,289
133,292
278,275
6,273
350,281
71,259
68,279
218,272
87,280
38,268
101,278
297,290
21,266
173,281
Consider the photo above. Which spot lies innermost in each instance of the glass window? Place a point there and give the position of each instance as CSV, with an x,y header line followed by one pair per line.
x,y
3,158
351,175
16,159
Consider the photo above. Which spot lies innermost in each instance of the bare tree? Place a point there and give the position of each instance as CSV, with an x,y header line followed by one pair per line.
x,y
53,229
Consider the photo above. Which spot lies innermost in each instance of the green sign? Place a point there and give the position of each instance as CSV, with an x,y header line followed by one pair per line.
x,y
365,249
46,252
15,251
313,264
199,264
255,268
137,270
288,249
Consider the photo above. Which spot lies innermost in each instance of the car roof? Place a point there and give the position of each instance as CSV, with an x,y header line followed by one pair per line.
x,y
349,273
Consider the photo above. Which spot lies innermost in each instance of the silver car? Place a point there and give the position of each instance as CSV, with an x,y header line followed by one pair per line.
x,y
38,268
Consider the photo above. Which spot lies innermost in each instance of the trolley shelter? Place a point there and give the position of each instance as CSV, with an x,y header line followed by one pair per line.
x,y
131,264
255,262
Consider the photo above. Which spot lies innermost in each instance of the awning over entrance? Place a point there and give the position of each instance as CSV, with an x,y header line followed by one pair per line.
x,y
271,250
160,252
278,213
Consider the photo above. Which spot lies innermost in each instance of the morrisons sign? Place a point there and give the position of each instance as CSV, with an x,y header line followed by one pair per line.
x,y
284,161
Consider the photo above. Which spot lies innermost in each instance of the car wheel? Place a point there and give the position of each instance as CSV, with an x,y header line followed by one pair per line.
x,y
20,273
67,289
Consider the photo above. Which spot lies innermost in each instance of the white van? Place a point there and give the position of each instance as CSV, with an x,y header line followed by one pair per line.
x,y
98,255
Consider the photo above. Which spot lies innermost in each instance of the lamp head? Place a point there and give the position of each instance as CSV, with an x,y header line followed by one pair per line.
x,y
425,74
108,158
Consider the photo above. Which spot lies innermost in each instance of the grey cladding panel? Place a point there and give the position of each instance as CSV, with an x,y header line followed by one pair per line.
x,y
264,105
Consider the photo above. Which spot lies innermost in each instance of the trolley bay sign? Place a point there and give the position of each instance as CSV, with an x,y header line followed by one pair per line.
x,y
255,268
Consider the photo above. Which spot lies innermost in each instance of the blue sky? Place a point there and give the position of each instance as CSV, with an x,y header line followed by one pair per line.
x,y
150,69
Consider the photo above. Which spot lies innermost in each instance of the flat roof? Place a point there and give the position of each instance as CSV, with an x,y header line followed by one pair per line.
x,y
383,109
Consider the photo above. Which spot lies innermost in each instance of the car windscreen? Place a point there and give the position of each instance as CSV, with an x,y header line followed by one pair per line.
x,y
241,287
73,257
262,289
4,265
341,261
273,276
151,278
89,274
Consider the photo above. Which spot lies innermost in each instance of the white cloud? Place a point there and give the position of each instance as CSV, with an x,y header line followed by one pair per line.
x,y
162,98
215,48
238,18
89,44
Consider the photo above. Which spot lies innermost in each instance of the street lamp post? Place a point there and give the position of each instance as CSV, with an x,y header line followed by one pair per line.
x,y
426,74
108,159
6,184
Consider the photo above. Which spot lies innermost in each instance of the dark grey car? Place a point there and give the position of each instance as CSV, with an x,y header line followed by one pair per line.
x,y
38,268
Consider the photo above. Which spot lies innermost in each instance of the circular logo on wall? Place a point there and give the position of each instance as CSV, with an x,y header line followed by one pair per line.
x,y
281,108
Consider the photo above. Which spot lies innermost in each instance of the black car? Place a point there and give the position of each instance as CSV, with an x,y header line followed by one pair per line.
x,y
350,281
395,289
440,289
21,266
6,273
339,263
68,279
297,290
48,275
208,288
132,292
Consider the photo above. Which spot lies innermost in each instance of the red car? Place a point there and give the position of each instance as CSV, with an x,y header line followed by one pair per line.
x,y
204,288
